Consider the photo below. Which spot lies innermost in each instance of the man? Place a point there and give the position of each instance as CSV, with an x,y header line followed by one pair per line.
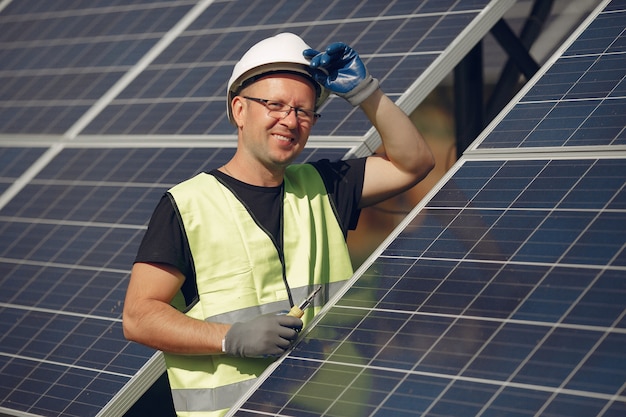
x,y
232,248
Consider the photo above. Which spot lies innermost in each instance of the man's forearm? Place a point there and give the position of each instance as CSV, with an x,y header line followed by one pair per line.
x,y
403,144
164,328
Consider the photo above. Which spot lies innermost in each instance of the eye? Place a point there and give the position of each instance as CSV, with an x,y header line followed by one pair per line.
x,y
275,106
306,114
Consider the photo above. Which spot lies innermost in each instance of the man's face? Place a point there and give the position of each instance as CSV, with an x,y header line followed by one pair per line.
x,y
275,143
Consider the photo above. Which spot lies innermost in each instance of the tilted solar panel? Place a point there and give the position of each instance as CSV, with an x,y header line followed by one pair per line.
x,y
504,291
61,63
57,61
103,106
579,101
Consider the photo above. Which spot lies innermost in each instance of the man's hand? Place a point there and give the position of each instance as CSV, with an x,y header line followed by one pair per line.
x,y
267,335
340,70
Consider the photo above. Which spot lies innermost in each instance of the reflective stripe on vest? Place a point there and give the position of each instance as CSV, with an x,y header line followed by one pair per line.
x,y
217,402
240,277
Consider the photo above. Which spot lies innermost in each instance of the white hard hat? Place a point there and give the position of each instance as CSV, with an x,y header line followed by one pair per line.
x,y
282,52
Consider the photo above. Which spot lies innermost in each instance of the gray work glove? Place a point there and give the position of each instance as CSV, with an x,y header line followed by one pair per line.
x,y
266,335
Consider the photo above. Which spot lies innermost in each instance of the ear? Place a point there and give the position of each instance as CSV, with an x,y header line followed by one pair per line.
x,y
237,109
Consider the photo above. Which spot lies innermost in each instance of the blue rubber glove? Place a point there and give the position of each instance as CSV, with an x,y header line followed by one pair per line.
x,y
340,70
266,335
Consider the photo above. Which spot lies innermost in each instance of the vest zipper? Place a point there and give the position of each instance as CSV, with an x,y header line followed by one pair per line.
x,y
278,246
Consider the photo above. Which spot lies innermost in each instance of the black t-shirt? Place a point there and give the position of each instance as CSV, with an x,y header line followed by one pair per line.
x,y
165,241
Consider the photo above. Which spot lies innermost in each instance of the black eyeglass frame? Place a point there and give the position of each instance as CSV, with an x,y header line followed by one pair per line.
x,y
299,110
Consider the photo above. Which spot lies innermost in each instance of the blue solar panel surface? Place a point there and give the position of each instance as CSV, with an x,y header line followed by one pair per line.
x,y
82,85
581,100
504,293
59,60
184,87
495,299
13,163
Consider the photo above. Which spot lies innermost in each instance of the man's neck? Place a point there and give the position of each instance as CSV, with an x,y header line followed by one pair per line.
x,y
261,176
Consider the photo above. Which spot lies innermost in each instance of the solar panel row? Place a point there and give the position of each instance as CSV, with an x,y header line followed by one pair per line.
x,y
57,64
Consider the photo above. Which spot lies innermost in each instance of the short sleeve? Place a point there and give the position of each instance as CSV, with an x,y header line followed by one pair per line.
x,y
165,241
344,183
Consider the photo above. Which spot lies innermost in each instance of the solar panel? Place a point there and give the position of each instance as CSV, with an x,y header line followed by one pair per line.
x,y
503,292
169,78
184,86
579,101
103,106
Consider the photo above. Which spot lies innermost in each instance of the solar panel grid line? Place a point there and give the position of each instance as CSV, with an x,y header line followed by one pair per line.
x,y
61,312
159,141
576,369
452,378
555,153
62,364
72,66
8,410
519,263
14,295
494,320
538,345
61,265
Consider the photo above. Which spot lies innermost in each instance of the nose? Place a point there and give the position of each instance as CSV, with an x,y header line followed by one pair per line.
x,y
290,119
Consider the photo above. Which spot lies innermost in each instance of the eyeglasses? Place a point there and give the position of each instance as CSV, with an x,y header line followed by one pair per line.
x,y
279,110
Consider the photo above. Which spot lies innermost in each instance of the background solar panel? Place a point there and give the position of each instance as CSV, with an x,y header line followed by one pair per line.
x,y
503,293
58,60
182,91
579,101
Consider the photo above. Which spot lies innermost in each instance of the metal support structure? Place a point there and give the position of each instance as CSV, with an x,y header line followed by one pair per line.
x,y
520,61
468,98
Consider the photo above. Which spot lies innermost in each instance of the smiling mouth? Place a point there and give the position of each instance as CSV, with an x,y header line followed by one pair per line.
x,y
283,138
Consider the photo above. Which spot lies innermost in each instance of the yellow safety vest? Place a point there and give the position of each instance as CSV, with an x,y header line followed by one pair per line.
x,y
239,276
